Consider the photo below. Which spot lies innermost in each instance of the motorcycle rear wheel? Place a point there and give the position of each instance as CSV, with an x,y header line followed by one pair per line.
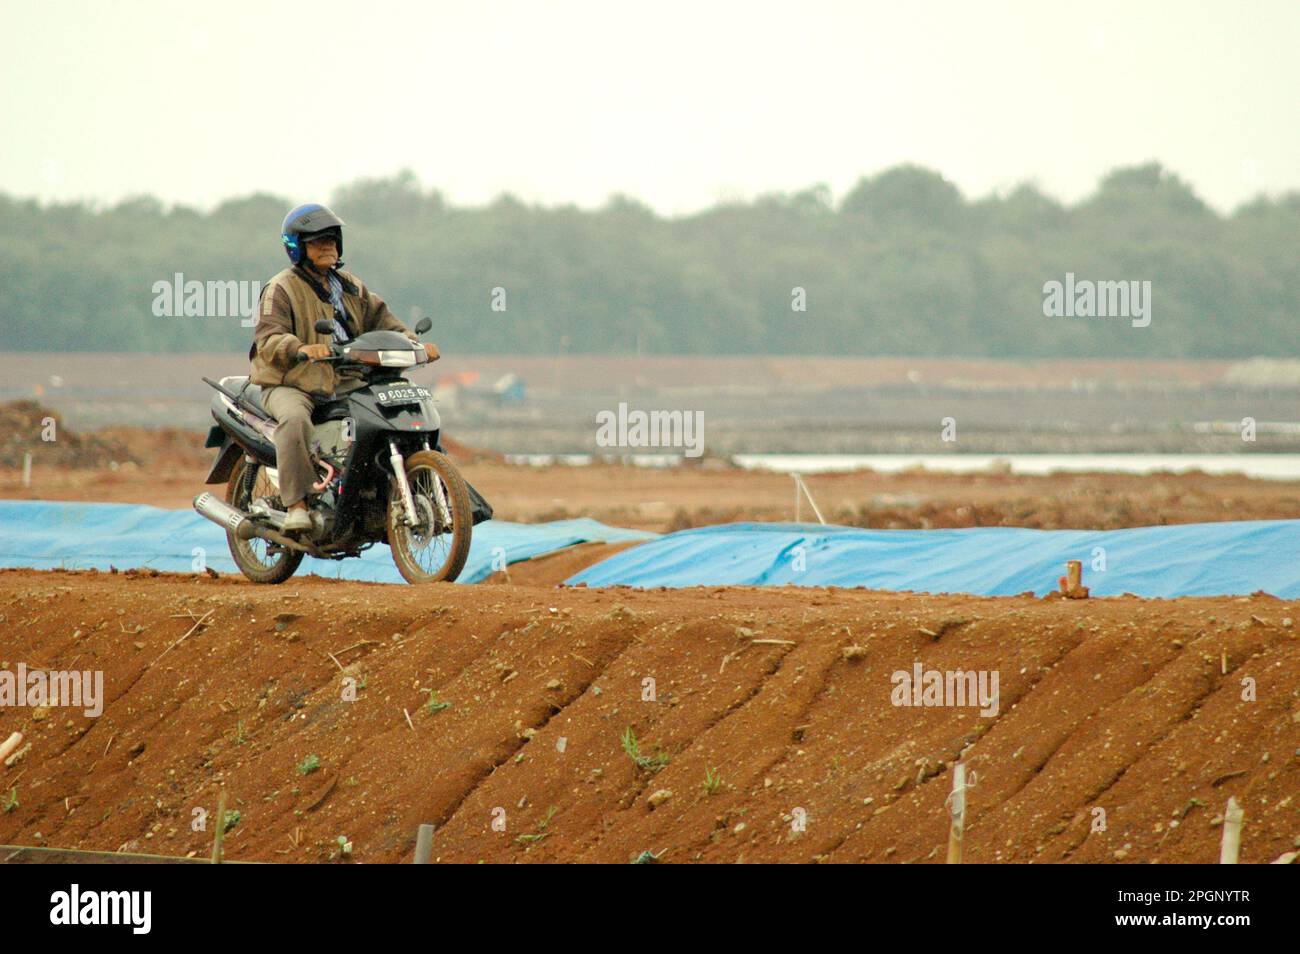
x,y
430,552
259,560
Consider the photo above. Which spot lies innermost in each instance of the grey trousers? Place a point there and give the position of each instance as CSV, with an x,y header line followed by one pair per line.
x,y
292,410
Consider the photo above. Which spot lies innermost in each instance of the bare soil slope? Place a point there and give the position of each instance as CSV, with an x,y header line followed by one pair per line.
x,y
1130,706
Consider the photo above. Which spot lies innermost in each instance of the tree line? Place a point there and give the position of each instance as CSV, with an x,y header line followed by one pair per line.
x,y
903,264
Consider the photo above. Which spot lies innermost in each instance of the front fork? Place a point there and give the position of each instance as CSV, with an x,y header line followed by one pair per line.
x,y
404,488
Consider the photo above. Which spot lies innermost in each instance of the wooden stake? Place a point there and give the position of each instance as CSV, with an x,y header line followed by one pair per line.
x,y
1232,819
221,828
1072,583
27,469
423,844
957,828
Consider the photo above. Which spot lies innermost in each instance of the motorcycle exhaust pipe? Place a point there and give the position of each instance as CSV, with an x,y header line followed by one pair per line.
x,y
223,515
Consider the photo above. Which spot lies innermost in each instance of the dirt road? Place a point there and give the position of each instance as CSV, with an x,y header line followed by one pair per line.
x,y
166,468
664,500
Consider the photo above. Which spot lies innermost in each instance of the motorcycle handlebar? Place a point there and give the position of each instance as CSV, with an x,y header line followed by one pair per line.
x,y
334,356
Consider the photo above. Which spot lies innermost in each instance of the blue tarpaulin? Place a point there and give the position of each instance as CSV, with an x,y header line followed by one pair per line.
x,y
49,535
1202,559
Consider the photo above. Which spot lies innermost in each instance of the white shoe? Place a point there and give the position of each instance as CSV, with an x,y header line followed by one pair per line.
x,y
297,520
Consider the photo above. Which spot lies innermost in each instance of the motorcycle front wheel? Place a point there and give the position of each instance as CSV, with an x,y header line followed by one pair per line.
x,y
436,547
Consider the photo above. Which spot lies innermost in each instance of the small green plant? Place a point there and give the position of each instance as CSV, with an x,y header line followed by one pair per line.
x,y
308,765
540,831
630,745
240,738
434,704
11,802
646,763
712,779
232,819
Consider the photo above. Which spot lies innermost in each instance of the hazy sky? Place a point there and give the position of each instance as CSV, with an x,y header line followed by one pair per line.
x,y
677,104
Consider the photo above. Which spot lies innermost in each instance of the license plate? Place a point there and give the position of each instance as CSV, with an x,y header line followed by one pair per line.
x,y
405,394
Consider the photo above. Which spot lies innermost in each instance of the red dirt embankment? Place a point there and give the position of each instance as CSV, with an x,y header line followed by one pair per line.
x,y
1131,706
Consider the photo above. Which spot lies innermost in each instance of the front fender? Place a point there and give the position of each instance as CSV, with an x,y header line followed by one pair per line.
x,y
224,465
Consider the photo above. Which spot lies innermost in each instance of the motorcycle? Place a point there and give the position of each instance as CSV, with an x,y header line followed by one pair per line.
x,y
382,474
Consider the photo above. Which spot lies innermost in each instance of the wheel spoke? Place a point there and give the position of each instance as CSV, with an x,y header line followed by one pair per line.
x,y
433,546
430,543
258,550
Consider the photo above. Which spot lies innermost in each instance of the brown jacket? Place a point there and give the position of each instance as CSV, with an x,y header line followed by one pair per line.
x,y
291,304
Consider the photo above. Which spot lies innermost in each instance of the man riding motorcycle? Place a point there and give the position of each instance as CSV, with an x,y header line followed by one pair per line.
x,y
315,287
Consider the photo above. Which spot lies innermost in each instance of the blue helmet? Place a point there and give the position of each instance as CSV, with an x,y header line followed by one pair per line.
x,y
305,223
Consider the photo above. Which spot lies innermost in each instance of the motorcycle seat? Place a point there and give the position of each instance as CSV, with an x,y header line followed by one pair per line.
x,y
325,407
250,393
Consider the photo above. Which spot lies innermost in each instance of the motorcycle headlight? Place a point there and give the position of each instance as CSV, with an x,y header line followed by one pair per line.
x,y
388,358
397,359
